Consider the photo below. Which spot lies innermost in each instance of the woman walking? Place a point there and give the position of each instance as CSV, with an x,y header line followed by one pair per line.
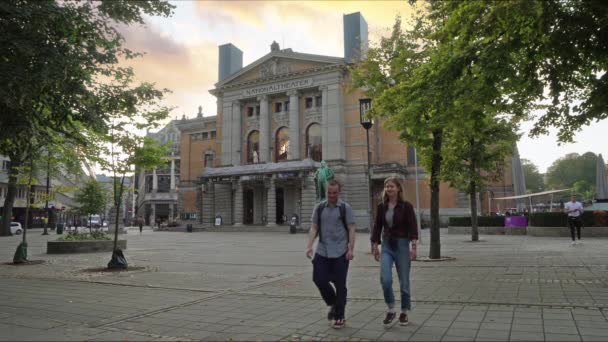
x,y
396,224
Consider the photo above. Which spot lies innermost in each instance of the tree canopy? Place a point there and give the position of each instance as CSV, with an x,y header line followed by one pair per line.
x,y
572,168
59,65
534,180
556,53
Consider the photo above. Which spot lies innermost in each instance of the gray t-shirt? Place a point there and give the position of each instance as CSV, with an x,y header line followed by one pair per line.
x,y
389,216
335,238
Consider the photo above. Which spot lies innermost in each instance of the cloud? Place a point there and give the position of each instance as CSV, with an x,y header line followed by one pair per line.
x,y
169,64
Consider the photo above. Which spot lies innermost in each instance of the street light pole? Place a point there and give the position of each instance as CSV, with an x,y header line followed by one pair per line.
x,y
364,106
46,202
417,196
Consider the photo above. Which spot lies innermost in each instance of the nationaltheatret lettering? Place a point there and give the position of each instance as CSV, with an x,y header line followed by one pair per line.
x,y
278,87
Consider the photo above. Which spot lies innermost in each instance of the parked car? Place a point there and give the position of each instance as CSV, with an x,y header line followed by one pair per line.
x,y
16,228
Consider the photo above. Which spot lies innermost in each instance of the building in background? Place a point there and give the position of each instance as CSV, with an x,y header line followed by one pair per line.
x,y
277,119
157,189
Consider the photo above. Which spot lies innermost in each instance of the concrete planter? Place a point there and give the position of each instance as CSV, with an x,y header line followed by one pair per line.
x,y
565,231
489,230
85,246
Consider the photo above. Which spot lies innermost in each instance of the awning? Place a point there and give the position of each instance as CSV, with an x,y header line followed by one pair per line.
x,y
532,195
262,168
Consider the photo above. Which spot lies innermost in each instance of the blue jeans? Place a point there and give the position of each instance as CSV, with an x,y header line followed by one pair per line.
x,y
400,256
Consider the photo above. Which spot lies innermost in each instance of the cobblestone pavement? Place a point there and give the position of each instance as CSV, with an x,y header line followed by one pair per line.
x,y
257,286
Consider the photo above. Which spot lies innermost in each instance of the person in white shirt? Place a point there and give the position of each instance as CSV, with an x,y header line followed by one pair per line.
x,y
575,212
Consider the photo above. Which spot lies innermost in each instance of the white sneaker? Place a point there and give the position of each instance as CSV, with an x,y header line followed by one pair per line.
x,y
573,243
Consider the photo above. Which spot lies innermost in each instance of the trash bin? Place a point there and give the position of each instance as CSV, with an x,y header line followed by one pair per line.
x,y
189,228
59,228
293,223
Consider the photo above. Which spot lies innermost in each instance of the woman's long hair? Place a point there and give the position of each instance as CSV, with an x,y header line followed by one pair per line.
x,y
400,193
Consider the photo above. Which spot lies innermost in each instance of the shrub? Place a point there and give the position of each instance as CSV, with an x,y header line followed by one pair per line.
x,y
85,236
482,221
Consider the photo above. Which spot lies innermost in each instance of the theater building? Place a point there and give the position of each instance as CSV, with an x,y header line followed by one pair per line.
x,y
277,119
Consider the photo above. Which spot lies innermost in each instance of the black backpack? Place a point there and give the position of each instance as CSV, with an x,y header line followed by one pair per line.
x,y
342,218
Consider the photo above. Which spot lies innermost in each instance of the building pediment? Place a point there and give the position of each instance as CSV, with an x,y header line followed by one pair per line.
x,y
279,64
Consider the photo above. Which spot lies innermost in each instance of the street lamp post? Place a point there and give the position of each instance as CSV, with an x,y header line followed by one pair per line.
x,y
364,106
46,202
418,223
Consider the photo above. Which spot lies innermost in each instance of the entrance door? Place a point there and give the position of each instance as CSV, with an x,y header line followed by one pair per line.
x,y
248,206
280,196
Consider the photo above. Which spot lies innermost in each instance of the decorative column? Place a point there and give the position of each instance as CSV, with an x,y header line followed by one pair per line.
x,y
171,211
308,198
154,180
271,205
324,120
264,129
334,120
226,135
237,135
172,174
238,203
208,204
294,125
153,218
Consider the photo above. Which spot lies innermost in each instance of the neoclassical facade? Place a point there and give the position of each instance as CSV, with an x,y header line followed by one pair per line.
x,y
277,119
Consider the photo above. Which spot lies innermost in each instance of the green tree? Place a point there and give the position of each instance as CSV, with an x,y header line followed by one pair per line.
x,y
120,150
92,199
475,153
534,180
57,56
408,86
571,168
428,85
556,47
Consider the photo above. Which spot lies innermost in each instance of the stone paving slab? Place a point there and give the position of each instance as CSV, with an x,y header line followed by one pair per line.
x,y
257,286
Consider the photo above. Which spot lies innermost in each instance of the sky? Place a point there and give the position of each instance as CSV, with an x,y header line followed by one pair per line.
x,y
181,53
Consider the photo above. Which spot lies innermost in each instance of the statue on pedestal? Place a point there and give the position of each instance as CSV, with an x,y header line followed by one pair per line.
x,y
322,176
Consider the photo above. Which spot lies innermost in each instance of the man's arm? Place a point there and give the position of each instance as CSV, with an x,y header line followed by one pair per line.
x,y
312,235
351,237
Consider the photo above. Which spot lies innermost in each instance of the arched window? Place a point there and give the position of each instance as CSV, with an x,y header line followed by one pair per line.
x,y
253,147
208,158
282,144
314,146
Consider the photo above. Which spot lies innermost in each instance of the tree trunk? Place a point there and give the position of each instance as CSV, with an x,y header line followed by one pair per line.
x,y
435,246
90,229
473,192
117,203
473,205
11,191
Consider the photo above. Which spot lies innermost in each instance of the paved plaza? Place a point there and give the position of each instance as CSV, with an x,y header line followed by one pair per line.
x,y
258,286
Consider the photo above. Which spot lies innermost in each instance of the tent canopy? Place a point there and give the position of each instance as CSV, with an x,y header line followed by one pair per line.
x,y
531,195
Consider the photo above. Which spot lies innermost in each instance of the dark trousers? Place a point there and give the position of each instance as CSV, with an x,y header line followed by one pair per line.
x,y
575,222
334,270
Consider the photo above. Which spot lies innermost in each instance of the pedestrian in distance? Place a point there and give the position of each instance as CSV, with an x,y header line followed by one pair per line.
x,y
140,222
575,210
396,230
333,221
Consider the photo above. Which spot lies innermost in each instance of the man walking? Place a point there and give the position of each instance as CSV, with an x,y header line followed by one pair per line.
x,y
575,211
334,222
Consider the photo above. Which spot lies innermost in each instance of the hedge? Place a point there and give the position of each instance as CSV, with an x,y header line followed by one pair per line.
x,y
482,221
597,218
